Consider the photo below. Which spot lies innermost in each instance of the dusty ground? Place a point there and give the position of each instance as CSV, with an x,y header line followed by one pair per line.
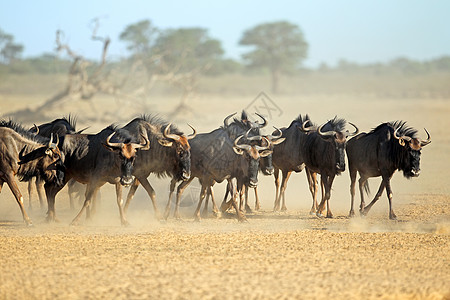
x,y
273,255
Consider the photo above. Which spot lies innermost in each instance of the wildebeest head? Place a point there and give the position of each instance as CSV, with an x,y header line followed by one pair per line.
x,y
180,144
275,138
127,156
48,161
253,154
337,140
411,147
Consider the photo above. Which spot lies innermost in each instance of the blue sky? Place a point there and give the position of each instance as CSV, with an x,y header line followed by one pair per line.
x,y
361,31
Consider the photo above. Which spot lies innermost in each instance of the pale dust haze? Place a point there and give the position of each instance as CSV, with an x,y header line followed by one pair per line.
x,y
274,255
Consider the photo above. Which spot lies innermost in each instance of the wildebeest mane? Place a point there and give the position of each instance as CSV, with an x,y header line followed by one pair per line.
x,y
302,119
158,121
23,132
335,124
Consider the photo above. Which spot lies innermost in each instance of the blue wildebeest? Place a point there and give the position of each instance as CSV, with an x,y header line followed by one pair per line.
x,y
216,157
389,147
93,159
26,155
169,156
59,127
324,153
289,157
265,166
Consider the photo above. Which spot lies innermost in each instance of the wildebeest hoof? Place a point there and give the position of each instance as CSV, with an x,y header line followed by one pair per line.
x,y
125,223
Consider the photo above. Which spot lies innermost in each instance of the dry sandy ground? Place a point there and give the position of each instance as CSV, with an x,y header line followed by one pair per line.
x,y
273,255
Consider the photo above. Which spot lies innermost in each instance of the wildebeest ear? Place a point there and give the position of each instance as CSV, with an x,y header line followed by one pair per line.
x,y
238,151
165,143
401,142
266,153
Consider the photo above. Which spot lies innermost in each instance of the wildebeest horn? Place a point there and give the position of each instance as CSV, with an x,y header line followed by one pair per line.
x,y
191,136
325,134
113,145
427,141
80,131
51,144
304,128
36,128
259,148
168,135
356,130
145,146
275,136
404,137
225,121
252,138
244,147
264,120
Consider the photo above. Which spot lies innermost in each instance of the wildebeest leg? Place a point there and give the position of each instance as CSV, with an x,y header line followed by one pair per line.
x,y
50,191
173,182
247,207
257,204
120,204
365,210
240,216
276,175
202,196
10,180
180,191
40,190
90,191
312,182
30,194
71,187
151,193
131,193
362,181
326,182
242,196
230,190
205,207
215,208
392,215
328,195
353,173
284,182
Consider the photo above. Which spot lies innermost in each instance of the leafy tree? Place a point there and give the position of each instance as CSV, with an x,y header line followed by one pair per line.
x,y
278,46
9,51
188,49
139,36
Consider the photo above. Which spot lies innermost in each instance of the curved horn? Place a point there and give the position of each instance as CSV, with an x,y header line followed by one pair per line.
x,y
252,138
51,140
168,135
225,121
145,146
259,148
244,147
306,129
264,120
353,133
325,134
191,136
404,137
113,145
280,134
427,141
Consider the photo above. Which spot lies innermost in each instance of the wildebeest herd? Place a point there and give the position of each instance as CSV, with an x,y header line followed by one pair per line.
x,y
56,154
